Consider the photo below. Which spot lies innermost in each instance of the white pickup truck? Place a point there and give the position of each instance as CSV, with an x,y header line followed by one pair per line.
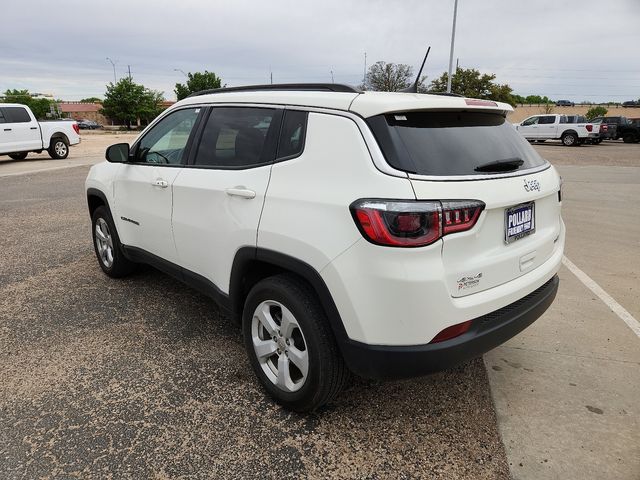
x,y
21,133
557,127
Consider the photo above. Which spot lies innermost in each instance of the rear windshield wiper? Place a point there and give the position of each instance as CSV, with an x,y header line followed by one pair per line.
x,y
506,165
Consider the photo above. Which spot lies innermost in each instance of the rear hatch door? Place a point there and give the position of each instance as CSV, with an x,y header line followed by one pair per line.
x,y
472,155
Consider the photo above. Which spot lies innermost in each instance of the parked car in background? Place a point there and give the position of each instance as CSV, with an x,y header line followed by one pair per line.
x,y
616,122
85,124
631,103
565,103
630,132
583,119
557,127
608,131
21,133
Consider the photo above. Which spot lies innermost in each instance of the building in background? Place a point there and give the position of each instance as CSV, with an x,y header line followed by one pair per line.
x,y
83,111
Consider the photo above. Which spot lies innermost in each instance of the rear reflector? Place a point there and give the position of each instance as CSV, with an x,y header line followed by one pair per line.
x,y
452,332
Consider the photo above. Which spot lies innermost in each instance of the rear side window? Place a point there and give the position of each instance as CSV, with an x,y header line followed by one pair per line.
x,y
292,134
451,143
547,120
236,137
1,116
16,115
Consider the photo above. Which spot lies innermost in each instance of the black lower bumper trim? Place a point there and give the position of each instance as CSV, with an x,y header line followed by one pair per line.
x,y
485,333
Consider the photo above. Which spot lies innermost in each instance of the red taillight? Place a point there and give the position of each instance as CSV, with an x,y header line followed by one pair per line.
x,y
459,216
452,332
400,223
589,127
76,128
603,127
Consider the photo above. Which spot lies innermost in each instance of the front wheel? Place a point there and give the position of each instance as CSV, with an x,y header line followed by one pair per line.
x,y
18,156
569,139
290,344
107,246
59,149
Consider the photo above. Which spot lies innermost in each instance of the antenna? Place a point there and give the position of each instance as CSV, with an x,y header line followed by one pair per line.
x,y
414,88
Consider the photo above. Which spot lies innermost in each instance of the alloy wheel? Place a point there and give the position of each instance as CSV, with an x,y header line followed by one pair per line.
x,y
279,345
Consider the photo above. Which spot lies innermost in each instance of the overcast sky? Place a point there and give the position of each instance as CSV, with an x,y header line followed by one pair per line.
x,y
576,50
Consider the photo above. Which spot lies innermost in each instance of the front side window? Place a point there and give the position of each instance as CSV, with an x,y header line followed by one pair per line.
x,y
236,137
530,121
2,120
165,143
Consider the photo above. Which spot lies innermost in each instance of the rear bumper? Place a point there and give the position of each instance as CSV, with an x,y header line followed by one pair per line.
x,y
486,332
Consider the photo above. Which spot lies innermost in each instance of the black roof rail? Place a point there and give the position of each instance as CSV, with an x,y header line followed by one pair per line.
x,y
314,87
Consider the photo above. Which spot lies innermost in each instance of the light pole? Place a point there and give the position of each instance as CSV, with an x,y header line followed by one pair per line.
x,y
114,70
181,71
453,38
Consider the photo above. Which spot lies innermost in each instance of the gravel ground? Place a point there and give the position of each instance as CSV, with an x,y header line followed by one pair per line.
x,y
144,378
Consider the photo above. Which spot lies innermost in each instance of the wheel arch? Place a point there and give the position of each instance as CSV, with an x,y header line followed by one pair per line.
x,y
57,135
566,132
95,199
252,264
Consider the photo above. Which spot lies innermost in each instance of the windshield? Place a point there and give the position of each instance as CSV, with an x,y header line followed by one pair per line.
x,y
452,143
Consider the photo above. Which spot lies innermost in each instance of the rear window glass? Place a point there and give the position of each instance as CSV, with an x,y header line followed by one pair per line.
x,y
452,143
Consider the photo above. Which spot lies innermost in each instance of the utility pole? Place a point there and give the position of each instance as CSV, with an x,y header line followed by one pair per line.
x,y
114,69
457,64
129,69
453,38
270,75
364,72
332,80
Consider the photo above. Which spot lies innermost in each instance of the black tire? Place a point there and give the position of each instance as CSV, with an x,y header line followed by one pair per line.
x,y
19,156
629,138
120,265
569,139
327,374
58,149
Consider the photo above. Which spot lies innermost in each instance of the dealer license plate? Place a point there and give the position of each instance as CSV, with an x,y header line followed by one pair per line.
x,y
519,221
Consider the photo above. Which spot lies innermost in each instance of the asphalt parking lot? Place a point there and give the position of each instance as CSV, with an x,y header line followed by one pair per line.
x,y
143,378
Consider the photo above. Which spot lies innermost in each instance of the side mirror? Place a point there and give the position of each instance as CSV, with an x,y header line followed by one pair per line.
x,y
118,153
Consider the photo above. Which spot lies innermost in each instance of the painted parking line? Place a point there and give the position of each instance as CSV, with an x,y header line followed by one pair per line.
x,y
609,301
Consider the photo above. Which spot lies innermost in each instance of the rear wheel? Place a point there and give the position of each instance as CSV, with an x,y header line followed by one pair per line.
x,y
290,344
629,138
19,156
59,148
569,139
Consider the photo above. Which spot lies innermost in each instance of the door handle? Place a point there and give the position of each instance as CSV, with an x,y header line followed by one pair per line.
x,y
7,129
160,183
33,128
241,192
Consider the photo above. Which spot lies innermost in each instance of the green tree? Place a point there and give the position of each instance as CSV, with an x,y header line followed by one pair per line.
x,y
128,102
196,82
390,77
471,83
537,100
39,106
91,100
594,112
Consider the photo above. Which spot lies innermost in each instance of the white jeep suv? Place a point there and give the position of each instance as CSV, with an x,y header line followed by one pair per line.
x,y
385,234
